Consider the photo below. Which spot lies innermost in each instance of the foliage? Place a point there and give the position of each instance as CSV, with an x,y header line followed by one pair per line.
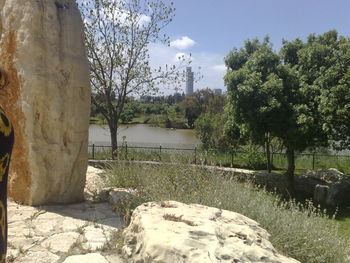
x,y
301,96
258,101
128,113
302,232
252,157
117,37
169,99
200,102
209,128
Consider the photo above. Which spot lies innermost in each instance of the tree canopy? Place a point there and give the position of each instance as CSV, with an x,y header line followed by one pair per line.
x,y
300,94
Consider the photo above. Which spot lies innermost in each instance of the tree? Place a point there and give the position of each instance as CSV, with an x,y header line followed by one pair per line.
x,y
200,102
324,66
301,97
256,93
210,129
117,37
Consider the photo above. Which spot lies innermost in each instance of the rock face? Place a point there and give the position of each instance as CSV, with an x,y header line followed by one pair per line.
x,y
175,232
330,187
47,100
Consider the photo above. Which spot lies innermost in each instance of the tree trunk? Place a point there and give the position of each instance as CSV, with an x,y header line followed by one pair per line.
x,y
268,152
113,132
291,168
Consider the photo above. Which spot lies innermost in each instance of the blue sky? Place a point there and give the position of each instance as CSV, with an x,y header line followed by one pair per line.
x,y
209,29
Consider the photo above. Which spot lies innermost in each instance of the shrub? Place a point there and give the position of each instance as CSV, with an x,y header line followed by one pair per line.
x,y
302,232
253,158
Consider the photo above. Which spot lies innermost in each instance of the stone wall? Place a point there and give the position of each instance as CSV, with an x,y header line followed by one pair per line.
x,y
47,100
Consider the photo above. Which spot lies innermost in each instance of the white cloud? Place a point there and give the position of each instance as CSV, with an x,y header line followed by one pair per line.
x,y
219,68
182,43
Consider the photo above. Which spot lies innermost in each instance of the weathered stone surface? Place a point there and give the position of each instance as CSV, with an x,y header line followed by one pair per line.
x,y
320,193
39,257
88,258
61,242
330,187
175,232
327,175
50,234
95,238
95,181
339,192
47,100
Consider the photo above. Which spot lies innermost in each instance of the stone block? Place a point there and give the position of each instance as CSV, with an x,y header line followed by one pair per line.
x,y
47,99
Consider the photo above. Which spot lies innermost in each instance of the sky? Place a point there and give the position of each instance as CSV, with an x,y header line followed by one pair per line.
x,y
209,29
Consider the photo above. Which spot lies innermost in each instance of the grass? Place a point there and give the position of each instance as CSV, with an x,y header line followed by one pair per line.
x,y
302,232
237,159
343,216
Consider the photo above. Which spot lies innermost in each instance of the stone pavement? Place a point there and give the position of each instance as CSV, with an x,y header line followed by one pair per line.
x,y
83,232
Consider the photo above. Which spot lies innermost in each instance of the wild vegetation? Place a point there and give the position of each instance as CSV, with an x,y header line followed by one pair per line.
x,y
302,232
299,95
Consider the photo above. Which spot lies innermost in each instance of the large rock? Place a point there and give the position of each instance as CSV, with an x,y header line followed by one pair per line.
x,y
326,175
330,187
175,232
48,99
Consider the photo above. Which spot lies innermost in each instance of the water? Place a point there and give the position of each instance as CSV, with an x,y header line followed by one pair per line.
x,y
144,135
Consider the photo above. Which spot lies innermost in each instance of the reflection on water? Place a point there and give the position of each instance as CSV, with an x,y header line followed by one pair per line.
x,y
144,135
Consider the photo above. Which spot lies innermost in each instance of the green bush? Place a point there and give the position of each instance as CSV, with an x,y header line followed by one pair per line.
x,y
302,232
253,158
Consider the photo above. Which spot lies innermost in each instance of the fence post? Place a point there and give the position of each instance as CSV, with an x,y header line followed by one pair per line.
x,y
160,152
195,155
313,161
232,158
93,151
126,150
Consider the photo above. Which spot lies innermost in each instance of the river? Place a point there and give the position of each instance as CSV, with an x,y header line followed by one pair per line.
x,y
144,135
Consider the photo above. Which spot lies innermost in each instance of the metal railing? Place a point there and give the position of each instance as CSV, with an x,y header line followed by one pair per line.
x,y
232,158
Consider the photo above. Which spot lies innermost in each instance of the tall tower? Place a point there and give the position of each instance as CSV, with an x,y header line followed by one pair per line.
x,y
189,81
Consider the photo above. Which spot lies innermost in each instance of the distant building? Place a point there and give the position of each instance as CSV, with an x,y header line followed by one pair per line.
x,y
218,91
189,81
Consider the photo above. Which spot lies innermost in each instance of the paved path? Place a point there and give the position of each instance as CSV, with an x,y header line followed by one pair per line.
x,y
84,233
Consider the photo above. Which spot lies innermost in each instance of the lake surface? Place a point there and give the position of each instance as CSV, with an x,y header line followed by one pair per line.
x,y
144,135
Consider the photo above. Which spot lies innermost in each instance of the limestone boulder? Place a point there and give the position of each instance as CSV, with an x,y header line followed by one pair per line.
x,y
339,192
331,175
47,99
320,193
175,232
330,187
94,186
92,257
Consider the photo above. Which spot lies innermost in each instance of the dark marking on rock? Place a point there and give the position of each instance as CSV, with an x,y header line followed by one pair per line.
x,y
60,5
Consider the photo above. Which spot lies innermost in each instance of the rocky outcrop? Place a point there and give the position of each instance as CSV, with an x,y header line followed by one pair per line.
x,y
175,232
47,100
329,187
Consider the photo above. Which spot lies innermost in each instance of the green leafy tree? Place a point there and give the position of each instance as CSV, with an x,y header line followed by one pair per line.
x,y
300,97
128,113
256,93
117,37
200,102
210,130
